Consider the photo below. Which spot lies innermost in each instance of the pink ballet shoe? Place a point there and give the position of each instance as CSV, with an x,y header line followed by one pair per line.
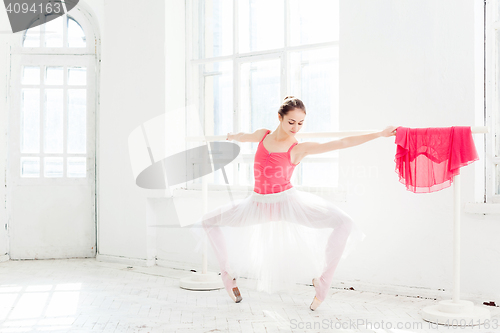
x,y
231,288
321,292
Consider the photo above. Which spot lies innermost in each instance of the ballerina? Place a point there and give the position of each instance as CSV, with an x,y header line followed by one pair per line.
x,y
275,199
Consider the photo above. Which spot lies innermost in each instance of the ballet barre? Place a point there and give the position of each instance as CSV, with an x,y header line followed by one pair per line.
x,y
301,135
306,135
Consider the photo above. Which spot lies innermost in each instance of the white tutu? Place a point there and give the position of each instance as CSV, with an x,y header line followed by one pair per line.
x,y
274,240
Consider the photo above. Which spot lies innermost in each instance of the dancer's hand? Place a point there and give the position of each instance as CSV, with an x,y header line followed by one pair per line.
x,y
229,136
389,131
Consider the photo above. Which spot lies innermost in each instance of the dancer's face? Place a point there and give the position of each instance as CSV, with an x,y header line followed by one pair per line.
x,y
292,122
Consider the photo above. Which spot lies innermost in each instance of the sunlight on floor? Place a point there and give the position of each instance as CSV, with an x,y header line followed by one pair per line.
x,y
41,307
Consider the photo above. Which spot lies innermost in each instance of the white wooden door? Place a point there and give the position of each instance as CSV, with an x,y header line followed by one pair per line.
x,y
51,163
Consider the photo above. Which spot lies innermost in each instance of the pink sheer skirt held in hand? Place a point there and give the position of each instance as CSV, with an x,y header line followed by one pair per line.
x,y
427,159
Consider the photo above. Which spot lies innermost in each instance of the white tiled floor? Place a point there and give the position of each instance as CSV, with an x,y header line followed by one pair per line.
x,y
84,295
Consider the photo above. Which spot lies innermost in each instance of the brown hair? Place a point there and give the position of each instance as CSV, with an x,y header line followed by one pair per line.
x,y
290,103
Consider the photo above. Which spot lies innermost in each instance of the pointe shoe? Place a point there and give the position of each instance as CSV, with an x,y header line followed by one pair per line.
x,y
316,302
231,288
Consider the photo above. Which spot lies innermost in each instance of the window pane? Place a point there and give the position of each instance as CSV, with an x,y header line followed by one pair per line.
x,y
314,21
53,167
77,121
215,18
497,136
218,96
31,75
497,179
54,32
260,95
30,121
261,25
53,129
245,174
496,130
30,167
497,10
315,78
77,167
76,36
218,176
54,75
77,76
32,36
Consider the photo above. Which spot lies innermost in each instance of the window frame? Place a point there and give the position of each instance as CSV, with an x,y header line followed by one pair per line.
x,y
79,17
42,61
492,100
195,82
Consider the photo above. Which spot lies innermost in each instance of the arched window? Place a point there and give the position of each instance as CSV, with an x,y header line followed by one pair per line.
x,y
64,31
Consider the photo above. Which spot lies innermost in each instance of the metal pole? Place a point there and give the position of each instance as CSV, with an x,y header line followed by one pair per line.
x,y
204,194
456,239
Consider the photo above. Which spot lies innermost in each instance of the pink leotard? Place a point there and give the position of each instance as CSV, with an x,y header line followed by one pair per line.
x,y
272,171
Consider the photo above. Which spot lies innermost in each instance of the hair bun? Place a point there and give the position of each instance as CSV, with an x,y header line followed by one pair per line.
x,y
290,103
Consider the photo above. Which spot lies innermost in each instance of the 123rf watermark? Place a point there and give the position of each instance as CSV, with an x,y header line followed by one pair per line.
x,y
326,324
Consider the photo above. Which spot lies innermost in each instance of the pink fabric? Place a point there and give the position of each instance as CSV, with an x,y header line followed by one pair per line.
x,y
427,159
272,171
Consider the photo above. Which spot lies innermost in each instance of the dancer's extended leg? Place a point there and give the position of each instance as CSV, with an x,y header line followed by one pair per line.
x,y
218,243
333,253
216,238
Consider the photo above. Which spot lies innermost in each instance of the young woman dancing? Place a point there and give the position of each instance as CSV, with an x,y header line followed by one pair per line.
x,y
277,224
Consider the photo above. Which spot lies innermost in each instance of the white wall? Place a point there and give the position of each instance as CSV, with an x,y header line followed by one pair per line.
x,y
132,91
174,244
411,63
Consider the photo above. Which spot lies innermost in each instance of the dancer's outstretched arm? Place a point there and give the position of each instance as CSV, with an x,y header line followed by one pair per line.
x,y
247,137
308,148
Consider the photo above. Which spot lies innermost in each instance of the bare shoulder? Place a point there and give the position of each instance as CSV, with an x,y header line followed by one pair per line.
x,y
255,136
259,134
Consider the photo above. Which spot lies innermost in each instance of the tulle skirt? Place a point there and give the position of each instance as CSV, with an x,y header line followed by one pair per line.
x,y
275,240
